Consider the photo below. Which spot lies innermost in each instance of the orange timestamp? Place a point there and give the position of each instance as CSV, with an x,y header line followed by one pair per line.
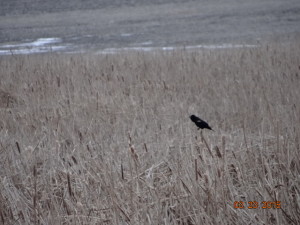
x,y
256,205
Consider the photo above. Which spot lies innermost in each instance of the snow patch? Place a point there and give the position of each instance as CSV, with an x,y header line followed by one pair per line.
x,y
172,48
40,45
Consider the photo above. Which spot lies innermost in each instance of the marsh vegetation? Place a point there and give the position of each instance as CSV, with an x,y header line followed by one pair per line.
x,y
107,139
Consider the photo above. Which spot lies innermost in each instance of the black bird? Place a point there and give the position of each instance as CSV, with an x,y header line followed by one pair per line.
x,y
200,123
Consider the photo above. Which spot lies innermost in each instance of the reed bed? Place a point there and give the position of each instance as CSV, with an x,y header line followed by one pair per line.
x,y
107,139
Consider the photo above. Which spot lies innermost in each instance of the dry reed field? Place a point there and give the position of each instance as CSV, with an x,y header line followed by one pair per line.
x,y
107,139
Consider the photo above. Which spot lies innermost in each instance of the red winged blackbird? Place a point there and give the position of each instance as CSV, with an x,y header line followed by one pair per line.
x,y
200,123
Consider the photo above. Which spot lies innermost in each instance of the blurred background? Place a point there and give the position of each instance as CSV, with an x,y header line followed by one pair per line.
x,y
30,26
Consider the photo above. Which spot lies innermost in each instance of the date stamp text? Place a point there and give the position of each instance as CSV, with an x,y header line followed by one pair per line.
x,y
256,205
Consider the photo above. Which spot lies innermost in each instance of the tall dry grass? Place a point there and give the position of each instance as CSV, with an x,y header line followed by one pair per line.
x,y
107,139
